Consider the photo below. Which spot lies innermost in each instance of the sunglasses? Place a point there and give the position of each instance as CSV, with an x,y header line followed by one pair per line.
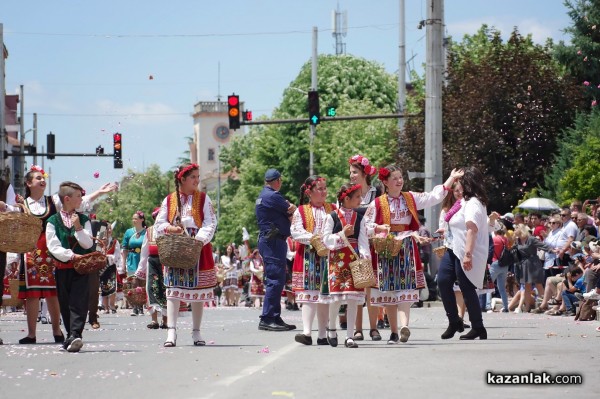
x,y
553,222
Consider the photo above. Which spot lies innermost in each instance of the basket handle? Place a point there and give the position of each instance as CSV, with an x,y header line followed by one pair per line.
x,y
345,239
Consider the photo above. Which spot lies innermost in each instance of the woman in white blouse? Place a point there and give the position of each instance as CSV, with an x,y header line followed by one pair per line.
x,y
466,258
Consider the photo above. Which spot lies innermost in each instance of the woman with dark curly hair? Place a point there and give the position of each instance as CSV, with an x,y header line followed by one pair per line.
x,y
466,258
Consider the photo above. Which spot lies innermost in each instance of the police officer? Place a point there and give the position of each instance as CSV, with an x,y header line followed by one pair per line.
x,y
273,213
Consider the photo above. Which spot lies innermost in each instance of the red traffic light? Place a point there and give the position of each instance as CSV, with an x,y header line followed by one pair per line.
x,y
233,101
247,115
117,137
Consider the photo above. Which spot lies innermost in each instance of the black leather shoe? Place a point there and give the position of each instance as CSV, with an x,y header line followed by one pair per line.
x,y
322,341
272,326
394,339
473,333
290,327
453,328
27,340
303,339
332,341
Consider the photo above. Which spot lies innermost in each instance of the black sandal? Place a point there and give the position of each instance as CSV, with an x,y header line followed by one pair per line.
x,y
199,342
170,344
359,336
153,325
374,334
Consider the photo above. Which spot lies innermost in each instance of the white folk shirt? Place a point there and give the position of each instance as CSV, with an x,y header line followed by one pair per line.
x,y
335,241
299,233
399,213
471,211
205,232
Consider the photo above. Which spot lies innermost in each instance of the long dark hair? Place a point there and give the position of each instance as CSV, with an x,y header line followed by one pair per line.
x,y
29,179
189,168
308,185
473,185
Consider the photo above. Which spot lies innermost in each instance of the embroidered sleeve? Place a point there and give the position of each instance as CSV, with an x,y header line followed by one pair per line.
x,y
54,245
333,241
162,222
426,200
209,224
369,220
299,233
143,264
363,239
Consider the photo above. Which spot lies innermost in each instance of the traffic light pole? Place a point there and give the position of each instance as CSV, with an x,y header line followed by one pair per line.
x,y
44,154
330,119
313,87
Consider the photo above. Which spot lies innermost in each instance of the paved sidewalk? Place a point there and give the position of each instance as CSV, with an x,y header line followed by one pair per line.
x,y
123,359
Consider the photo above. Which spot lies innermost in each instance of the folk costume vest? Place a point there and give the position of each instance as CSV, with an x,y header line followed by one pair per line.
x,y
308,221
67,239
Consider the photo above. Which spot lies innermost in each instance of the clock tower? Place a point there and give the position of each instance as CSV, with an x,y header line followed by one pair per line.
x,y
211,133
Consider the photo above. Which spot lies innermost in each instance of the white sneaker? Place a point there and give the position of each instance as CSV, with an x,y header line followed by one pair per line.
x,y
593,295
518,310
75,345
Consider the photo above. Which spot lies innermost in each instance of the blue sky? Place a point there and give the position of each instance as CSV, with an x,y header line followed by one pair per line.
x,y
85,66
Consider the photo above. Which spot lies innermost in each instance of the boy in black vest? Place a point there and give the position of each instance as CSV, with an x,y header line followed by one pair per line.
x,y
69,236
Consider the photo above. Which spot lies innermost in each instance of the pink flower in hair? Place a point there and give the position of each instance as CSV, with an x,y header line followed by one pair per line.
x,y
364,162
355,157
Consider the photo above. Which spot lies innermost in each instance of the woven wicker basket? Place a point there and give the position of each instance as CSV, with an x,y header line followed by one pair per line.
x,y
317,243
386,246
362,273
14,294
136,296
19,232
179,251
440,251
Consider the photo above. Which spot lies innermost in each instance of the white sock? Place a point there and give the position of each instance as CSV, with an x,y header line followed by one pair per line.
x,y
351,311
308,315
197,310
322,319
172,311
333,312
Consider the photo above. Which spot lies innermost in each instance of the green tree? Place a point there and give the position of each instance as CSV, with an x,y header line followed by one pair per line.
x,y
137,191
504,106
354,86
576,169
581,57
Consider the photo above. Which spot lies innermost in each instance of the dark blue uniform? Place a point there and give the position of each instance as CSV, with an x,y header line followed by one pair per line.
x,y
274,227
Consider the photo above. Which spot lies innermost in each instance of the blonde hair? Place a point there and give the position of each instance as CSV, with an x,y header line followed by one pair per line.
x,y
522,231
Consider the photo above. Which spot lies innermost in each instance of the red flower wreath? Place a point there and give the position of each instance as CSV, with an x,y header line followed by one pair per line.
x,y
384,173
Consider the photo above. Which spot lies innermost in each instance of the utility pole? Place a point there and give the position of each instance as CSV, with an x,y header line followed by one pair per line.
x,y
402,67
2,106
35,138
20,189
313,86
433,103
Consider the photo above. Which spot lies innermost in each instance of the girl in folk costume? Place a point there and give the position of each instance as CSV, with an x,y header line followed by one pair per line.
x,y
108,278
309,273
343,226
257,288
289,292
399,278
362,172
230,285
189,209
150,269
37,276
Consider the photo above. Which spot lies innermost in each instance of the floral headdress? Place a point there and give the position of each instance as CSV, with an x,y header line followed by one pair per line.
x,y
384,173
307,187
140,215
364,161
349,191
37,168
186,169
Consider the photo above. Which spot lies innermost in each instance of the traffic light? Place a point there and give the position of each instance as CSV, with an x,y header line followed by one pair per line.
x,y
117,150
50,146
99,150
247,116
233,105
314,116
331,112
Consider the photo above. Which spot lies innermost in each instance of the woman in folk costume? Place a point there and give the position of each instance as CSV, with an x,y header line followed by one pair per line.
x,y
343,227
36,277
108,278
257,288
193,210
399,278
230,263
362,172
150,269
309,273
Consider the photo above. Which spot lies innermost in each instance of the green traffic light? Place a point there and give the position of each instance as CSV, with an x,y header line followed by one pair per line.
x,y
331,111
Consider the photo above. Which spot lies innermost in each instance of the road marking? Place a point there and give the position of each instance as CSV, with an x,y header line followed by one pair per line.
x,y
248,371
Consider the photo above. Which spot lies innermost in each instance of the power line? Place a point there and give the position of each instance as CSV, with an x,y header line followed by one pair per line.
x,y
191,35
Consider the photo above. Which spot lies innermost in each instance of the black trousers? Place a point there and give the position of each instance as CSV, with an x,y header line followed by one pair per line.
x,y
449,272
94,282
73,295
2,271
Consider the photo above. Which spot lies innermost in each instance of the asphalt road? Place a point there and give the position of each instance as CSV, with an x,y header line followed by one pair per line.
x,y
123,359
